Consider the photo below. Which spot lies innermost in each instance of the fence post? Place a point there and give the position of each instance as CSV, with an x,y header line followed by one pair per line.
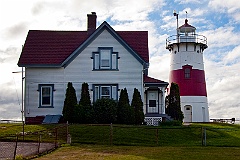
x,y
67,132
204,136
69,139
39,143
15,150
111,134
157,135
56,137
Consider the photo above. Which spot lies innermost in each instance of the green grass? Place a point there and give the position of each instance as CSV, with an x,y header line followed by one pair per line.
x,y
137,142
218,134
8,132
142,153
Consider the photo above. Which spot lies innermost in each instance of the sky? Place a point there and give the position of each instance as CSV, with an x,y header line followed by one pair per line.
x,y
218,21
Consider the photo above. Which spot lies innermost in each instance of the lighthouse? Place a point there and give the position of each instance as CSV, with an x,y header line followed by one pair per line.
x,y
187,70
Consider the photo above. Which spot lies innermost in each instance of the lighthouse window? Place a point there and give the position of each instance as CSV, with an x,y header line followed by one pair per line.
x,y
187,72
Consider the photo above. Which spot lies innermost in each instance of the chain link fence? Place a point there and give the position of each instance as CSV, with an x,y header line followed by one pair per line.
x,y
31,144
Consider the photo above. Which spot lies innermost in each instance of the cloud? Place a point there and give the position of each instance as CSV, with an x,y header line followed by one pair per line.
x,y
160,67
222,88
233,56
16,30
232,7
188,1
222,37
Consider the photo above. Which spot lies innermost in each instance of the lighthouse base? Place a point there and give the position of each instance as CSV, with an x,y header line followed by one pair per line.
x,y
195,108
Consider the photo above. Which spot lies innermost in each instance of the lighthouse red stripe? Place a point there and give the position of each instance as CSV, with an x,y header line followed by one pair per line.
x,y
193,86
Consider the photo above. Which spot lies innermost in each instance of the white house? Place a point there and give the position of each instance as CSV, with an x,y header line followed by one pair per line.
x,y
106,59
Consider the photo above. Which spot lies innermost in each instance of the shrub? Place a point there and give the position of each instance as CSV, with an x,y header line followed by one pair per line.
x,y
105,111
69,104
137,104
125,113
173,107
85,109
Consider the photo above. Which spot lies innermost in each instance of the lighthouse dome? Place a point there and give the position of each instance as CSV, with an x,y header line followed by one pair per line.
x,y
186,28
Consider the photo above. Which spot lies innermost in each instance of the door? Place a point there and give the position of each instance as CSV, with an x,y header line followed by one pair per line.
x,y
187,113
152,102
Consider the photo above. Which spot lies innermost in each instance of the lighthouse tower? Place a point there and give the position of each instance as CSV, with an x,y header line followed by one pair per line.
x,y
187,70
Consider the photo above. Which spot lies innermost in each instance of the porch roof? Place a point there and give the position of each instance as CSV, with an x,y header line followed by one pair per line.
x,y
149,81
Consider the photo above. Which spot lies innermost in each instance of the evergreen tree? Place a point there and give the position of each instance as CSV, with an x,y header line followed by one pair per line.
x,y
125,113
137,104
85,97
85,110
173,107
69,104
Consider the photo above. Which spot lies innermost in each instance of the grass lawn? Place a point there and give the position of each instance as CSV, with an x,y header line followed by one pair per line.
x,y
137,142
140,153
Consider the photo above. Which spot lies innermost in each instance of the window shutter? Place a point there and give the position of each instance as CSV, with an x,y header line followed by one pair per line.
x,y
96,61
96,93
114,61
114,92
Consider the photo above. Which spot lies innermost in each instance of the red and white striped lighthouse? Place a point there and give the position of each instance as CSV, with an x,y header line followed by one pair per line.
x,y
187,70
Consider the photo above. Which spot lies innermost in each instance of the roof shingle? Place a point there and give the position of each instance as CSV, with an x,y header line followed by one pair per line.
x,y
53,47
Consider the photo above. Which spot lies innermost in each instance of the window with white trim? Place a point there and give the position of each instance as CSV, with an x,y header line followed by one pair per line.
x,y
105,91
46,95
105,59
187,72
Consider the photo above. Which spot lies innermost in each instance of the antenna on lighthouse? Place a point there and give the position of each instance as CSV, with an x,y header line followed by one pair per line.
x,y
176,14
186,14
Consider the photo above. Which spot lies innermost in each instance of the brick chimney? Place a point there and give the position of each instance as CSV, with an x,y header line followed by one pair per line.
x,y
91,22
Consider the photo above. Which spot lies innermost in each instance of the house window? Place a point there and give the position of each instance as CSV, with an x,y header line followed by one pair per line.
x,y
152,103
105,91
46,95
105,59
187,73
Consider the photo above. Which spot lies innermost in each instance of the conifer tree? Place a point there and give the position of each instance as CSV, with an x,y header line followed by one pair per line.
x,y
69,104
85,97
137,104
85,110
173,107
125,113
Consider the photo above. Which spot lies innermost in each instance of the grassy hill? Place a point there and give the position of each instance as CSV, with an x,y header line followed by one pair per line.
x,y
217,134
134,142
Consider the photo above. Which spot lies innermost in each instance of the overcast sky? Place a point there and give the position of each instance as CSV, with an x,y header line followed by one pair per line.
x,y
218,21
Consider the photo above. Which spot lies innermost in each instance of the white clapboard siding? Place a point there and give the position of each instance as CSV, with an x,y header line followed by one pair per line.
x,y
80,70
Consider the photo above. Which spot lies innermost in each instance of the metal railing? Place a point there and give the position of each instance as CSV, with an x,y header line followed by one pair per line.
x,y
186,38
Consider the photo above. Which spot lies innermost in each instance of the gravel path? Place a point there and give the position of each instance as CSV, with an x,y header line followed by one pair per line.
x,y
25,149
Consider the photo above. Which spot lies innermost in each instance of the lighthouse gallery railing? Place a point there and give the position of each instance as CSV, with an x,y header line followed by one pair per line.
x,y
195,38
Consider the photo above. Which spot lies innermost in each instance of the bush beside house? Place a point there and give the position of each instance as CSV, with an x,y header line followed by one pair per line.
x,y
137,104
125,112
69,104
173,107
103,110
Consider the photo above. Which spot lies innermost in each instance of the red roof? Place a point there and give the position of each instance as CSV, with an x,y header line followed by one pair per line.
x,y
147,79
138,41
186,25
54,47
